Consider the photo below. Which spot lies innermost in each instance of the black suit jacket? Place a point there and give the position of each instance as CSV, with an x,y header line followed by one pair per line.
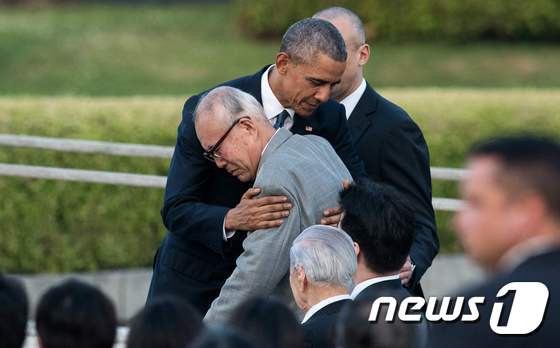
x,y
319,330
395,289
394,152
539,268
194,261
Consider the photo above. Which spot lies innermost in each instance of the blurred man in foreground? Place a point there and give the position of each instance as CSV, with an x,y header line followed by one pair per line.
x,y
510,225
388,141
237,136
322,264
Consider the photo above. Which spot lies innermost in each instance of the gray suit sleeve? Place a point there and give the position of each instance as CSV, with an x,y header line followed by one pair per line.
x,y
261,266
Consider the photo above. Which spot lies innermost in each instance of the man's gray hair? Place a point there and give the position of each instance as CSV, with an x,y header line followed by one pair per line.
x,y
227,104
326,255
335,12
305,39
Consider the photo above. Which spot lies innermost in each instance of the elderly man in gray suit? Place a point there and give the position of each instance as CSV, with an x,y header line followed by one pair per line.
x,y
235,133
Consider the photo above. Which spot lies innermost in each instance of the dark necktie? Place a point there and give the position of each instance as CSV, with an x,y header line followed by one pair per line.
x,y
280,119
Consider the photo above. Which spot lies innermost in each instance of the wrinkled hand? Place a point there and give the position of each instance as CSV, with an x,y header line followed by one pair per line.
x,y
332,216
257,213
406,271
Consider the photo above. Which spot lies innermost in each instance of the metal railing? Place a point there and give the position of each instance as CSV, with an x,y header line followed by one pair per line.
x,y
138,150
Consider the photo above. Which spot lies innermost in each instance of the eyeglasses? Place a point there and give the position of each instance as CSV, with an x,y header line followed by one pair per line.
x,y
211,153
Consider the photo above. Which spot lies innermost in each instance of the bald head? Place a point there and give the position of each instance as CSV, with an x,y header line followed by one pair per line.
x,y
348,18
226,104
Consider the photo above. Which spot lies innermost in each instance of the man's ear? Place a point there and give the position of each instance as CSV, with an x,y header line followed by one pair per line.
x,y
301,278
248,124
364,52
282,62
357,249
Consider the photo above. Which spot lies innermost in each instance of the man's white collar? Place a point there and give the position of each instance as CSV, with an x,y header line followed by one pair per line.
x,y
320,305
271,105
361,287
353,98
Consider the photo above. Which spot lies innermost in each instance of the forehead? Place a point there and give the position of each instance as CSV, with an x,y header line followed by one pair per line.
x,y
322,67
482,174
209,131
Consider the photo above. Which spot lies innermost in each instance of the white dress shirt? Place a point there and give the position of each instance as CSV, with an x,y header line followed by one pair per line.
x,y
353,98
271,105
320,305
361,287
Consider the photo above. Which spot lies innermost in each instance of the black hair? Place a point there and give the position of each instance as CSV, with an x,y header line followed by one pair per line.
x,y
14,309
268,323
166,322
222,337
532,161
76,314
381,221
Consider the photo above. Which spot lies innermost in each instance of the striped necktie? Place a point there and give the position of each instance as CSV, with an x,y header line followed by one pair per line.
x,y
280,119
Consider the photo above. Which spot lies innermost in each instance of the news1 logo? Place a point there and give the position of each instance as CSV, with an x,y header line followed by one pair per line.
x,y
526,314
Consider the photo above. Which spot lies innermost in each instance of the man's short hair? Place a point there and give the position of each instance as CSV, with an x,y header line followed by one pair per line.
x,y
528,163
166,321
268,323
305,39
326,254
227,104
75,314
354,330
379,219
14,309
335,12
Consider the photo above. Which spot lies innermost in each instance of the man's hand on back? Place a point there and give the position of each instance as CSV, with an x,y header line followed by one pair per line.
x,y
257,213
332,216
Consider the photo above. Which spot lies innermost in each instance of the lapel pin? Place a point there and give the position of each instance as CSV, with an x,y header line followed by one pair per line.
x,y
308,129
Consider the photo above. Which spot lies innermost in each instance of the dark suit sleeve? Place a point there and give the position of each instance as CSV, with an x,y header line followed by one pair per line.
x,y
342,142
184,214
406,166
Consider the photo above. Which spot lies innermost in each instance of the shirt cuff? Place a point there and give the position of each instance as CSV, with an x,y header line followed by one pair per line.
x,y
227,235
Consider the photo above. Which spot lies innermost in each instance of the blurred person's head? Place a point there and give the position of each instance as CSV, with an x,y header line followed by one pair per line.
x,y
233,130
322,264
511,195
352,30
354,330
14,309
311,60
381,224
268,323
166,322
74,314
223,337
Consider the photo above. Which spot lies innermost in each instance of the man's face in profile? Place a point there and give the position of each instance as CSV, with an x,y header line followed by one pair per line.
x,y
308,84
487,224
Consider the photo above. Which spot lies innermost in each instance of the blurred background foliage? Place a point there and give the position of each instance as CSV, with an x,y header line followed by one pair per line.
x,y
398,20
465,70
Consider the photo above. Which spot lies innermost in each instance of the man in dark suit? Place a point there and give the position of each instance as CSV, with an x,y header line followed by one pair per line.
x,y
208,211
380,221
510,225
388,141
322,264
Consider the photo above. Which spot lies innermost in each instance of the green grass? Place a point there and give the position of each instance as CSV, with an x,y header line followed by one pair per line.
x,y
182,49
48,225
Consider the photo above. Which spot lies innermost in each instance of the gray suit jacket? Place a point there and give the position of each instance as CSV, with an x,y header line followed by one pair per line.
x,y
308,171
